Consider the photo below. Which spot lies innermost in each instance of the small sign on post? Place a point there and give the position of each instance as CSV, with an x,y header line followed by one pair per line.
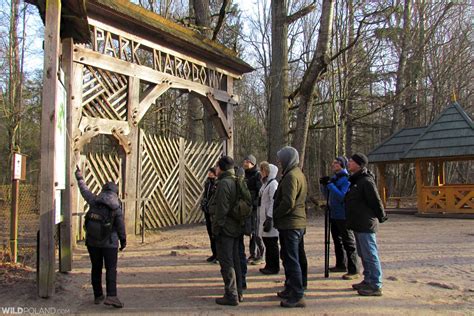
x,y
18,173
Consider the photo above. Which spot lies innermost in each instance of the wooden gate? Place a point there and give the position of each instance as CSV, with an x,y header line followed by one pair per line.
x,y
98,169
172,175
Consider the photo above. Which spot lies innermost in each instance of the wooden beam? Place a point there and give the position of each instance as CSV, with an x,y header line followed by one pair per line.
x,y
65,228
442,175
47,260
89,57
217,109
132,160
103,126
122,139
419,187
80,141
229,115
382,186
151,94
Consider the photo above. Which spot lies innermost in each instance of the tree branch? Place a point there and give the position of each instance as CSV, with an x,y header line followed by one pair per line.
x,y
220,21
301,13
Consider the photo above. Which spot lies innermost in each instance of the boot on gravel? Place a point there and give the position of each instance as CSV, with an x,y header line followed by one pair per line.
x,y
113,301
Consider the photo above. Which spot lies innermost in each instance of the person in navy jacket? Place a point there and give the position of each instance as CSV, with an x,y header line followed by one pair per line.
x,y
344,241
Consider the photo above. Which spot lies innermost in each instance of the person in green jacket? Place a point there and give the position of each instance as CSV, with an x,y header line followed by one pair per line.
x,y
227,231
289,215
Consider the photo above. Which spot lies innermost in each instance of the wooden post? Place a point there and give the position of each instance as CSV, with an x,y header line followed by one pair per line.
x,y
47,258
14,220
382,186
419,187
182,181
442,176
131,160
69,195
229,112
436,178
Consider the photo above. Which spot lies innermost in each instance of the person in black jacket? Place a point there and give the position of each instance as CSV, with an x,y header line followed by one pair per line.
x,y
365,210
104,250
254,183
209,189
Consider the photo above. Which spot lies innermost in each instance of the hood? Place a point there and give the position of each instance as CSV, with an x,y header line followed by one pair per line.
x,y
289,158
364,172
273,172
109,198
343,172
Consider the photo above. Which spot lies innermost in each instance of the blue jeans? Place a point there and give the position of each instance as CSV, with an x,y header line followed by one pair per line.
x,y
369,255
290,240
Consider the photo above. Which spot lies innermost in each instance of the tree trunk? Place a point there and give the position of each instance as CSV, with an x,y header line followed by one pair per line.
x,y
317,67
202,15
349,106
278,109
401,72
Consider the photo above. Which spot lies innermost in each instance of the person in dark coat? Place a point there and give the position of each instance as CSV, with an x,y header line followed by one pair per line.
x,y
104,251
364,211
227,231
209,189
289,216
334,189
254,183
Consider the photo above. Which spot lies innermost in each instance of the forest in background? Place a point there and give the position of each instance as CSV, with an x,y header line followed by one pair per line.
x,y
331,77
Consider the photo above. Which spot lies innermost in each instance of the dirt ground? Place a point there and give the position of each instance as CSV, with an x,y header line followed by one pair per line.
x,y
428,267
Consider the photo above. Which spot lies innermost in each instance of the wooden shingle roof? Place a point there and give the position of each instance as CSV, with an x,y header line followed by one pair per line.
x,y
450,135
396,145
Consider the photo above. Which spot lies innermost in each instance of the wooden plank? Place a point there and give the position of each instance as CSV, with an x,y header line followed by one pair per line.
x,y
47,258
89,57
182,180
229,111
382,186
105,126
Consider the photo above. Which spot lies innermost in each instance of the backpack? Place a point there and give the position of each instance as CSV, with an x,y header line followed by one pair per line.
x,y
242,210
97,226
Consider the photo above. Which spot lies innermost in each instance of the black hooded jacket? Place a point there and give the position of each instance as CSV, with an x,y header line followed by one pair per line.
x,y
105,202
254,183
364,208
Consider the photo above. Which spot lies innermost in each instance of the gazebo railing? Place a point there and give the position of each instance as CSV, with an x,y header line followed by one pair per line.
x,y
458,198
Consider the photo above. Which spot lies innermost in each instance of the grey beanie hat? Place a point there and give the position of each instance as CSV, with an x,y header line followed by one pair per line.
x,y
251,158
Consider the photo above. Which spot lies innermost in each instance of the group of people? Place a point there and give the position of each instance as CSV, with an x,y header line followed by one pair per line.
x,y
278,223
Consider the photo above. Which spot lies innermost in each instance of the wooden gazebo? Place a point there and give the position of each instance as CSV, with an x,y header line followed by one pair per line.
x,y
450,137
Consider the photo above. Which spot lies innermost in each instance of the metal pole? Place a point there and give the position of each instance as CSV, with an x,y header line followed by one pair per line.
x,y
14,221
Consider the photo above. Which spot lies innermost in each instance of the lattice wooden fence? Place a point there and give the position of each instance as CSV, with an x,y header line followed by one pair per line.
x,y
98,169
173,172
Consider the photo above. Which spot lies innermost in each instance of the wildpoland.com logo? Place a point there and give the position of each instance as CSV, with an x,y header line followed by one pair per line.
x,y
16,310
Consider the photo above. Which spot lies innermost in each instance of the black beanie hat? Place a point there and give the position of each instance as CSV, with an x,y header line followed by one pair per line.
x,y
225,163
360,159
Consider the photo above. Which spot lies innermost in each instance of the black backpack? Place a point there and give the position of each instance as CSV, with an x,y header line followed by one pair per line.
x,y
97,226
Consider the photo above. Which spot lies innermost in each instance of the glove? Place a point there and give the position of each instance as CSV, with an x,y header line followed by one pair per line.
x,y
383,219
324,180
123,244
268,224
78,174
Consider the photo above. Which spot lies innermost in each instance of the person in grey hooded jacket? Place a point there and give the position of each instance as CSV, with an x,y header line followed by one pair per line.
x,y
105,250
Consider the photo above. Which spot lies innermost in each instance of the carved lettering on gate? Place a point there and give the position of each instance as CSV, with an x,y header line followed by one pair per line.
x,y
132,50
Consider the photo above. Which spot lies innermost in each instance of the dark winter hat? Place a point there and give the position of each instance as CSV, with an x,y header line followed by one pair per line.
x,y
360,159
342,161
252,159
110,186
212,169
225,163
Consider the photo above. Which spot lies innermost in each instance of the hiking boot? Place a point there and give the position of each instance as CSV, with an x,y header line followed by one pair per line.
x,y
337,269
227,301
257,261
113,301
350,276
267,271
211,259
299,303
99,299
360,285
285,294
370,291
